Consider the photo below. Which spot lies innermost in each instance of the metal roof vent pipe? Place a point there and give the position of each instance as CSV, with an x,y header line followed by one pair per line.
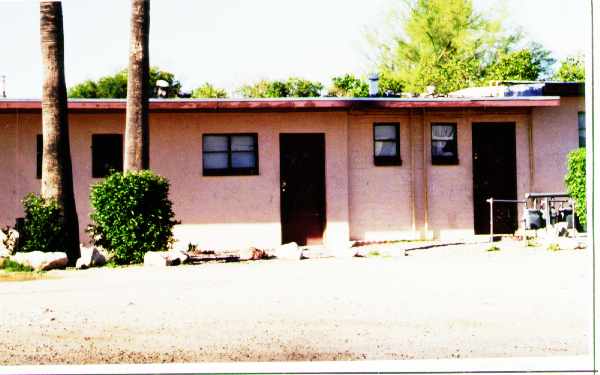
x,y
373,84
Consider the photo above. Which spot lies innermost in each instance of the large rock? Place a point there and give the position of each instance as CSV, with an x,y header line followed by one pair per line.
x,y
288,251
165,258
41,261
561,229
179,255
8,242
252,253
90,257
361,251
4,252
12,241
155,259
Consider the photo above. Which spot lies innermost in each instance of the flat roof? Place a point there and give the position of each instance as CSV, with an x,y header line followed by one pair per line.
x,y
279,104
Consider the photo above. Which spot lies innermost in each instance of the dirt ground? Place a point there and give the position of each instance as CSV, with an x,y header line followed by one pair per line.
x,y
449,302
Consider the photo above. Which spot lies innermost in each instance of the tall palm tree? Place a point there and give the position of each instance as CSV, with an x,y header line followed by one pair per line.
x,y
57,175
136,124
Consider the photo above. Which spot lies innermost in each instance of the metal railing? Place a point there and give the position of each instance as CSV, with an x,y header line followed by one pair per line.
x,y
546,198
491,201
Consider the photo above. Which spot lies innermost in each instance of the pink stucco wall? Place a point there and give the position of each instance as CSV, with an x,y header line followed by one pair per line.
x,y
364,201
213,208
380,204
450,187
216,212
8,168
554,135
25,129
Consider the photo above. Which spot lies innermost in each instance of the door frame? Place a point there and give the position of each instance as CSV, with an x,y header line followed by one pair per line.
x,y
323,137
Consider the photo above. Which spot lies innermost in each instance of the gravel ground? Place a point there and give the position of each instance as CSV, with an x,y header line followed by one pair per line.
x,y
449,302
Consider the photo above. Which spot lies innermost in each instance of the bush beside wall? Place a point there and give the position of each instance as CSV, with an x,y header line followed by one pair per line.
x,y
132,214
43,226
575,181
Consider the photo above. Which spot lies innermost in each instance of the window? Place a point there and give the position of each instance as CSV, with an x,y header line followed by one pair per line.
x,y
581,128
444,150
39,153
386,144
107,154
229,154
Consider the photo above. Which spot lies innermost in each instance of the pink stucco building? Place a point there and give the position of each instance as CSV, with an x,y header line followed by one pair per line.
x,y
262,172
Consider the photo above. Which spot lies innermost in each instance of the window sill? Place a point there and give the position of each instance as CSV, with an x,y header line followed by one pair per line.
x,y
387,162
452,161
229,172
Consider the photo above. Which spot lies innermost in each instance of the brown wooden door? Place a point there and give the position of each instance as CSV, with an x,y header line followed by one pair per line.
x,y
494,176
302,163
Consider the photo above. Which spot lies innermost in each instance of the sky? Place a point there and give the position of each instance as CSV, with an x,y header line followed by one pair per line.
x,y
234,42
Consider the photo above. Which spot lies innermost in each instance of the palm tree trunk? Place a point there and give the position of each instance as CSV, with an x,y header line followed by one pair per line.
x,y
57,175
136,125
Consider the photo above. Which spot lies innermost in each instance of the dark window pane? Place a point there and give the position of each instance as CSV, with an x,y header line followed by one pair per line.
x,y
107,154
39,154
385,148
215,143
386,144
444,145
243,160
385,132
229,154
216,160
442,148
581,128
242,143
442,132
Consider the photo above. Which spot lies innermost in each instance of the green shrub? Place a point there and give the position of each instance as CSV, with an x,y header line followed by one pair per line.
x,y
575,181
493,248
132,215
553,247
12,266
43,226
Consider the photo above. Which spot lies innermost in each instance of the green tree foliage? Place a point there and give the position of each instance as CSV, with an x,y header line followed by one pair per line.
x,y
208,91
575,181
351,86
293,88
389,85
43,226
527,64
132,215
115,86
348,86
449,45
572,69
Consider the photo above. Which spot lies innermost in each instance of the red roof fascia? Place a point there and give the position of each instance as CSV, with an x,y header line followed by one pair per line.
x,y
339,104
